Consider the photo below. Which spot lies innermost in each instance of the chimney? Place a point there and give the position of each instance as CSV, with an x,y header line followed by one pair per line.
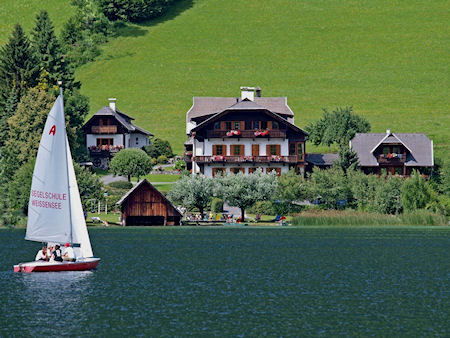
x,y
258,91
248,93
112,103
388,131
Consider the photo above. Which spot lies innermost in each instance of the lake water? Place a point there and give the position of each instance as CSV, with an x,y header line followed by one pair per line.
x,y
236,282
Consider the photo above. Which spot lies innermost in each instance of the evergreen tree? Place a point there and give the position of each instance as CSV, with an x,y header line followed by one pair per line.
x,y
48,53
18,71
348,159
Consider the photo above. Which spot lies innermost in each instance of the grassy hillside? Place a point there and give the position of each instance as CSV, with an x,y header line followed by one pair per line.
x,y
24,12
389,59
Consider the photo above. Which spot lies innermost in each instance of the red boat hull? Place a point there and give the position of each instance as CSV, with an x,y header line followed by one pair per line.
x,y
82,265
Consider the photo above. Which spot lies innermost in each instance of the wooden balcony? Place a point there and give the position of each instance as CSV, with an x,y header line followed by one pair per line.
x,y
244,134
249,159
391,160
104,150
104,129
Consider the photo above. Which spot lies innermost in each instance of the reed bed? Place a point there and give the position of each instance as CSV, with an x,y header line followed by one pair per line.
x,y
355,218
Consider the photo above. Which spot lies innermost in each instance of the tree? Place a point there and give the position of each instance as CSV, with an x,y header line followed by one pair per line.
x,y
363,188
159,147
48,52
292,187
19,187
193,192
245,190
89,185
131,162
416,192
388,195
25,130
18,71
134,10
329,185
76,108
347,160
337,127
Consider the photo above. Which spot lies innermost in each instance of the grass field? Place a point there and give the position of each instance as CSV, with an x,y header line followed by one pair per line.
x,y
24,12
389,59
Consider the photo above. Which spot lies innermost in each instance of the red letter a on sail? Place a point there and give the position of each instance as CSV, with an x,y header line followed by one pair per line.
x,y
53,130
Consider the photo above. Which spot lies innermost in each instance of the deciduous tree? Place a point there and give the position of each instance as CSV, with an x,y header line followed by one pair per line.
x,y
243,191
337,127
131,162
193,192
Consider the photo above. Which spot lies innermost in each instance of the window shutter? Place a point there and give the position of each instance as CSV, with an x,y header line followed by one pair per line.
x,y
242,125
269,125
278,149
222,125
214,149
242,150
268,150
224,151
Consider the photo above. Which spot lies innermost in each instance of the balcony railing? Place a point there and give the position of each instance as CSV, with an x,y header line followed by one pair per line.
x,y
104,129
248,159
245,134
103,150
391,158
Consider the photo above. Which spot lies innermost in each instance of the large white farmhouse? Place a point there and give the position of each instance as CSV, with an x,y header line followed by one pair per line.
x,y
232,134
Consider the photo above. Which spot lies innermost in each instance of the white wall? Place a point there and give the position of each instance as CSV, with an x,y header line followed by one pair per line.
x,y
91,139
284,149
138,140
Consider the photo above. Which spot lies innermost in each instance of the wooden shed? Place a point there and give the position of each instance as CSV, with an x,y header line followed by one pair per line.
x,y
145,205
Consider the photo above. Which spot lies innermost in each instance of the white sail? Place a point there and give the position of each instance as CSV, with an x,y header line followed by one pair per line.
x,y
79,229
55,213
48,208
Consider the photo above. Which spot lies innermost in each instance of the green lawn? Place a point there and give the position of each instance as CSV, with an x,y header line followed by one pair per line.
x,y
389,59
24,12
159,178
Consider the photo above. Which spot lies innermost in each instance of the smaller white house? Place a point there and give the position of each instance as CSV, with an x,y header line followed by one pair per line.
x,y
109,131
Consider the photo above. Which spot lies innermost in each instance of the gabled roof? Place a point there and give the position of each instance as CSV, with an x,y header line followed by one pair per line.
x,y
248,105
322,159
204,106
122,118
419,145
136,187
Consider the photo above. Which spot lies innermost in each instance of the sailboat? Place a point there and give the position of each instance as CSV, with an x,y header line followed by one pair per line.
x,y
55,213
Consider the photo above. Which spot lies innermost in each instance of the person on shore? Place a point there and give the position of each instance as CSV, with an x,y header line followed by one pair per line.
x,y
42,255
57,254
68,254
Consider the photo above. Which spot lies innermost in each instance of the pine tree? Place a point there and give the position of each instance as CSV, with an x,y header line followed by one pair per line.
x,y
48,52
18,71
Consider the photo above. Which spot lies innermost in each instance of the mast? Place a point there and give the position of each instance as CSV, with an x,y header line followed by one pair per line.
x,y
67,166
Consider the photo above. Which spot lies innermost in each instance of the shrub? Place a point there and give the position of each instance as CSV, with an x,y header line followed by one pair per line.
x,y
121,185
131,162
262,208
134,10
416,192
162,159
217,205
158,147
388,195
180,165
153,161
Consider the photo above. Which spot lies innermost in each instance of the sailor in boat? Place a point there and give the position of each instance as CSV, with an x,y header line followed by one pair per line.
x,y
68,254
42,254
57,255
50,249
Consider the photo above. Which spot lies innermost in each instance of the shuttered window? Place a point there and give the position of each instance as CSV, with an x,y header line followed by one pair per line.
x,y
273,150
237,149
219,149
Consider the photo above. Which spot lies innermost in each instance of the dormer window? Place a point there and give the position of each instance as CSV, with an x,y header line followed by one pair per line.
x,y
274,125
256,125
236,125
217,125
